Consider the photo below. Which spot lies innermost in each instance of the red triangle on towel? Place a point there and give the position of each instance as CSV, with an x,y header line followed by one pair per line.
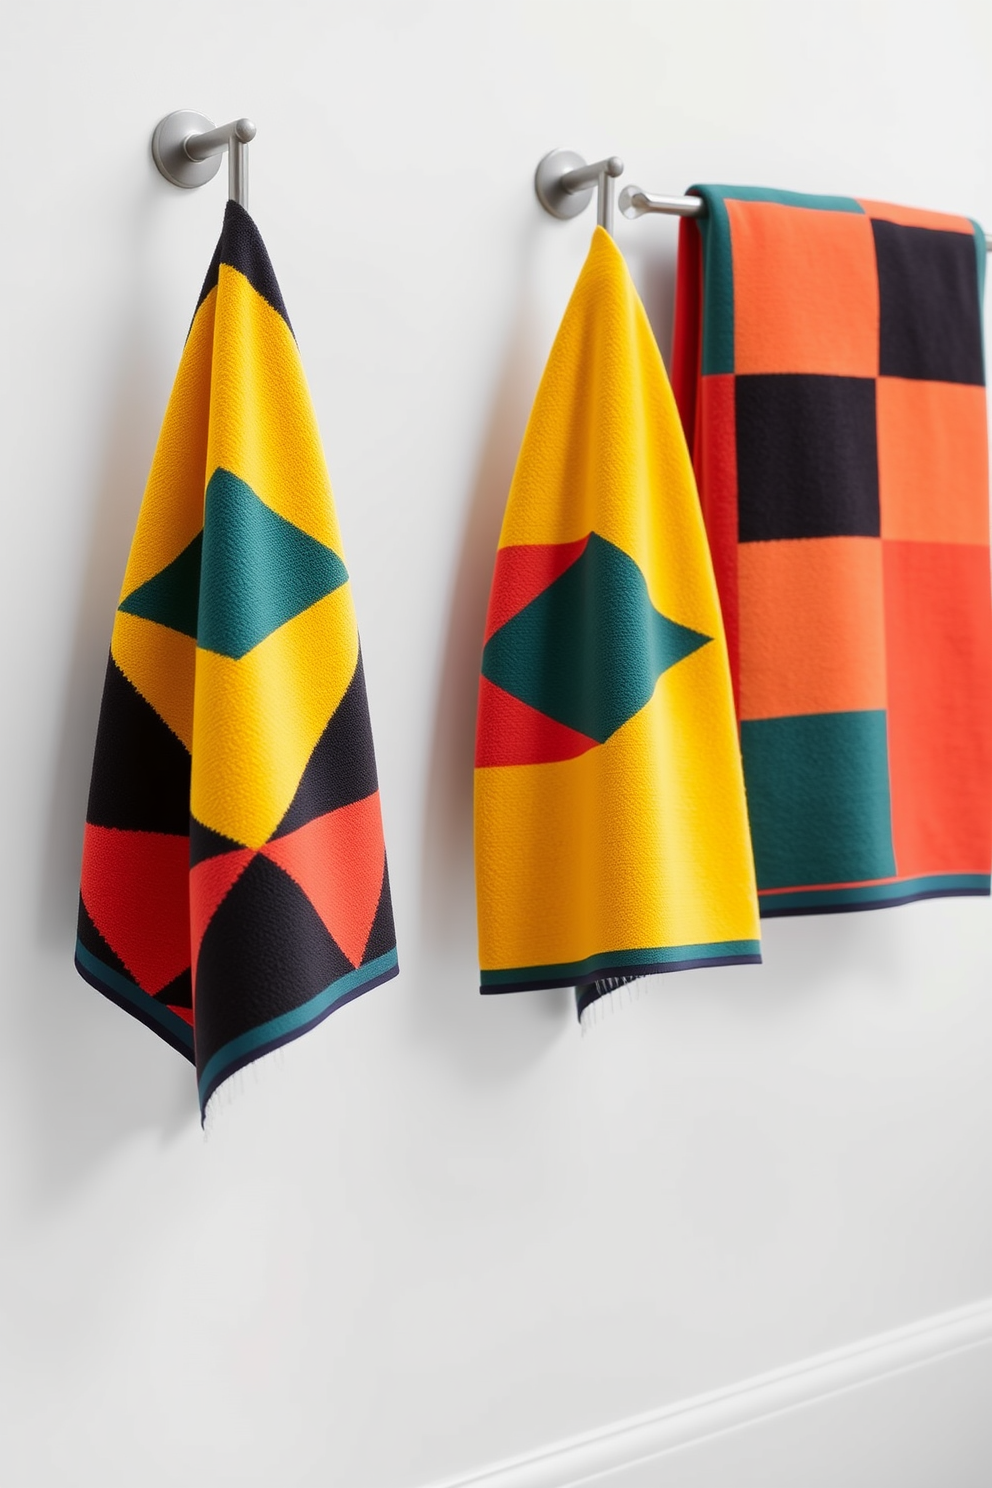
x,y
210,881
525,571
135,886
511,732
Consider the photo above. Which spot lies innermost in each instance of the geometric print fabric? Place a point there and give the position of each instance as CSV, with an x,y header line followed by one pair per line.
x,y
246,574
835,397
234,885
611,834
586,651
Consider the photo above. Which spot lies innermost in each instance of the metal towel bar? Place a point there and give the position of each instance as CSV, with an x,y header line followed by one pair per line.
x,y
635,202
564,184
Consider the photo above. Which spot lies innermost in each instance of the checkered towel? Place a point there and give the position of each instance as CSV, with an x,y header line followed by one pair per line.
x,y
829,371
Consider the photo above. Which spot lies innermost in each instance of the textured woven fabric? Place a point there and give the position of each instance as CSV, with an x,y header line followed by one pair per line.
x,y
610,825
234,885
830,374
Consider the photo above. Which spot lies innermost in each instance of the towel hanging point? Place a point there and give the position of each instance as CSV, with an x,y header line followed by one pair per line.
x,y
564,183
187,148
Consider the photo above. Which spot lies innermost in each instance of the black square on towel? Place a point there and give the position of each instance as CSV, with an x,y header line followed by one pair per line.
x,y
928,299
807,458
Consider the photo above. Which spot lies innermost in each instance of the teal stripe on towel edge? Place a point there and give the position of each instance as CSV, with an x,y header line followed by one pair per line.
x,y
872,896
133,998
565,972
982,254
812,201
267,1036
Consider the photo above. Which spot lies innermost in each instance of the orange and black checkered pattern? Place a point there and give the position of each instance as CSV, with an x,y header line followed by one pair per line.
x,y
829,368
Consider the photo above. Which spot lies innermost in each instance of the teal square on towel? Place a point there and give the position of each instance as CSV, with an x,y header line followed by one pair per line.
x,y
818,798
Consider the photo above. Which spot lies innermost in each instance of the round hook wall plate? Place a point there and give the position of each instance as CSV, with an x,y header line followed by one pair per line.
x,y
170,135
550,192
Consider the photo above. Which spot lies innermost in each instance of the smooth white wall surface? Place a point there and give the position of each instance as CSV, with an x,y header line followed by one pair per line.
x,y
442,1229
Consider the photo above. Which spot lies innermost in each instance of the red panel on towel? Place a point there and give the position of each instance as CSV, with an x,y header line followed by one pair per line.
x,y
940,706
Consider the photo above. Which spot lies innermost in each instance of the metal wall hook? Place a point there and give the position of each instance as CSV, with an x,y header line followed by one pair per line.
x,y
564,183
187,148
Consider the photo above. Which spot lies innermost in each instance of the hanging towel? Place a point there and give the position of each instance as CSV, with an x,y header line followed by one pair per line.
x,y
611,832
234,885
829,370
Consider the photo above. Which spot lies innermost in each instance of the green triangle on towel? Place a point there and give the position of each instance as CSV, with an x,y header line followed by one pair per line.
x,y
172,596
589,649
244,575
258,569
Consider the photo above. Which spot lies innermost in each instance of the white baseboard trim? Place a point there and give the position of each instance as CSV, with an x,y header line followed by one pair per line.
x,y
569,1463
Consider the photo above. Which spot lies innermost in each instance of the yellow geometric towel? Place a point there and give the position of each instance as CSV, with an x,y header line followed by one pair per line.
x,y
611,832
234,885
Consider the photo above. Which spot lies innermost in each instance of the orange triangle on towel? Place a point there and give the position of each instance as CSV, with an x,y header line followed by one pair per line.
x,y
338,860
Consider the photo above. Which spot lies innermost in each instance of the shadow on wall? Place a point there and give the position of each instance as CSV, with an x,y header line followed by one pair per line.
x,y
488,1036
98,1076
651,258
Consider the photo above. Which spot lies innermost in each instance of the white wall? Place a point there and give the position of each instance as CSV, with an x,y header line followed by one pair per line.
x,y
445,1230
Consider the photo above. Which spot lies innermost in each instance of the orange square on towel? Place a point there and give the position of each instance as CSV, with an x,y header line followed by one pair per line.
x,y
933,464
938,621
806,290
812,626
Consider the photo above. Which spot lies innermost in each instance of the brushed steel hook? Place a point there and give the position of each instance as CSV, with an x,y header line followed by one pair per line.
x,y
564,183
187,148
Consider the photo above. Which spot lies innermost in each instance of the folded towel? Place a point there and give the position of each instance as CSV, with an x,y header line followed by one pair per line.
x,y
610,825
234,885
829,370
